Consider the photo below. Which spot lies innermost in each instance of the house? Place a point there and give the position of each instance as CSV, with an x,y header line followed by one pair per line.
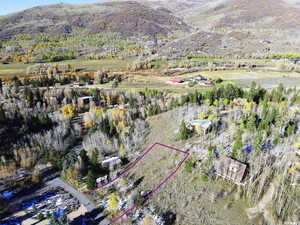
x,y
76,84
195,79
175,81
201,126
112,163
199,80
208,82
230,169
199,77
82,101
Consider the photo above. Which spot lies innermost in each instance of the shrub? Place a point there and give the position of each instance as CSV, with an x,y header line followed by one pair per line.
x,y
189,165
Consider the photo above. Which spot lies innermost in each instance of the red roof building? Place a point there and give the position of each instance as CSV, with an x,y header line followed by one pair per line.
x,y
175,80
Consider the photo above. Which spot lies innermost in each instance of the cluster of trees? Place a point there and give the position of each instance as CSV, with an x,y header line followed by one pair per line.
x,y
44,81
103,77
283,56
99,57
45,48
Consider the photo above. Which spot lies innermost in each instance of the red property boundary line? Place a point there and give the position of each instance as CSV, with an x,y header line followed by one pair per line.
x,y
155,189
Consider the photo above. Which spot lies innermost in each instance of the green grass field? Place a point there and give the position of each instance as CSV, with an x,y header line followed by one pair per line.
x,y
85,65
13,69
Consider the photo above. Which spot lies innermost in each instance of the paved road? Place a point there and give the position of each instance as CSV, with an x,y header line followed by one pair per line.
x,y
57,182
89,205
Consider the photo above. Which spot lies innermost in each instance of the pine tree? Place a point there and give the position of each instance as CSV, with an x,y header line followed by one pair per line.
x,y
291,129
251,123
91,180
258,141
183,131
238,144
28,95
94,158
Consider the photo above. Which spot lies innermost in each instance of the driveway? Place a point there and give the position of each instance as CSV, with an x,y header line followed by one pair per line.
x,y
57,182
89,205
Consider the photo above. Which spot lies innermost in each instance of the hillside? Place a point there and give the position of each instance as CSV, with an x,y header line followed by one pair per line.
x,y
283,14
127,18
239,28
236,27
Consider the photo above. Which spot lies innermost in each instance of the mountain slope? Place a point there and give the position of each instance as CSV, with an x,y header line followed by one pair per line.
x,y
283,14
127,18
236,27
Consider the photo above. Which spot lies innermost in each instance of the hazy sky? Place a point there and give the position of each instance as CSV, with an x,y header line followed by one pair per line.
x,y
10,6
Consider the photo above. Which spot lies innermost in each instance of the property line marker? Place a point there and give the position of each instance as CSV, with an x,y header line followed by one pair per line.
x,y
156,188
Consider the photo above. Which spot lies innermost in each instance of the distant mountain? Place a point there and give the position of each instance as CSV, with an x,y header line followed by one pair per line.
x,y
226,27
242,27
127,18
282,14
266,14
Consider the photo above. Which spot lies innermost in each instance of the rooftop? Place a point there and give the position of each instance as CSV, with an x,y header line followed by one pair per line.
x,y
230,169
86,97
203,123
176,80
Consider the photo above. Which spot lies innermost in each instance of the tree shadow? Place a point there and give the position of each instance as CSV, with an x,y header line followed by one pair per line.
x,y
169,218
138,181
90,218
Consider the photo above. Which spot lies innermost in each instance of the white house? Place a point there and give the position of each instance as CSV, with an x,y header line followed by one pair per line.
x,y
112,162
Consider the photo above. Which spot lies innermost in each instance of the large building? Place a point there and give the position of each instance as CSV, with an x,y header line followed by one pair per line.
x,y
230,169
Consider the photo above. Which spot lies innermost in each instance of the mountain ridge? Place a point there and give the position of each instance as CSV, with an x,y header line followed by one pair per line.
x,y
128,18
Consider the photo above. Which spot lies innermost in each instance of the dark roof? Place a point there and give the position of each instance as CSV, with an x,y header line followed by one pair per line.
x,y
230,169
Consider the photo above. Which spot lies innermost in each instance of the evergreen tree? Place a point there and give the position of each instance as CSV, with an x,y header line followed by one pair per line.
x,y
238,144
189,165
258,141
84,161
210,151
28,95
277,138
16,81
251,123
91,180
290,129
183,131
94,158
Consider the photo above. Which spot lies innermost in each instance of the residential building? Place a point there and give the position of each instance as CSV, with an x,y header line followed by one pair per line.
x,y
230,169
